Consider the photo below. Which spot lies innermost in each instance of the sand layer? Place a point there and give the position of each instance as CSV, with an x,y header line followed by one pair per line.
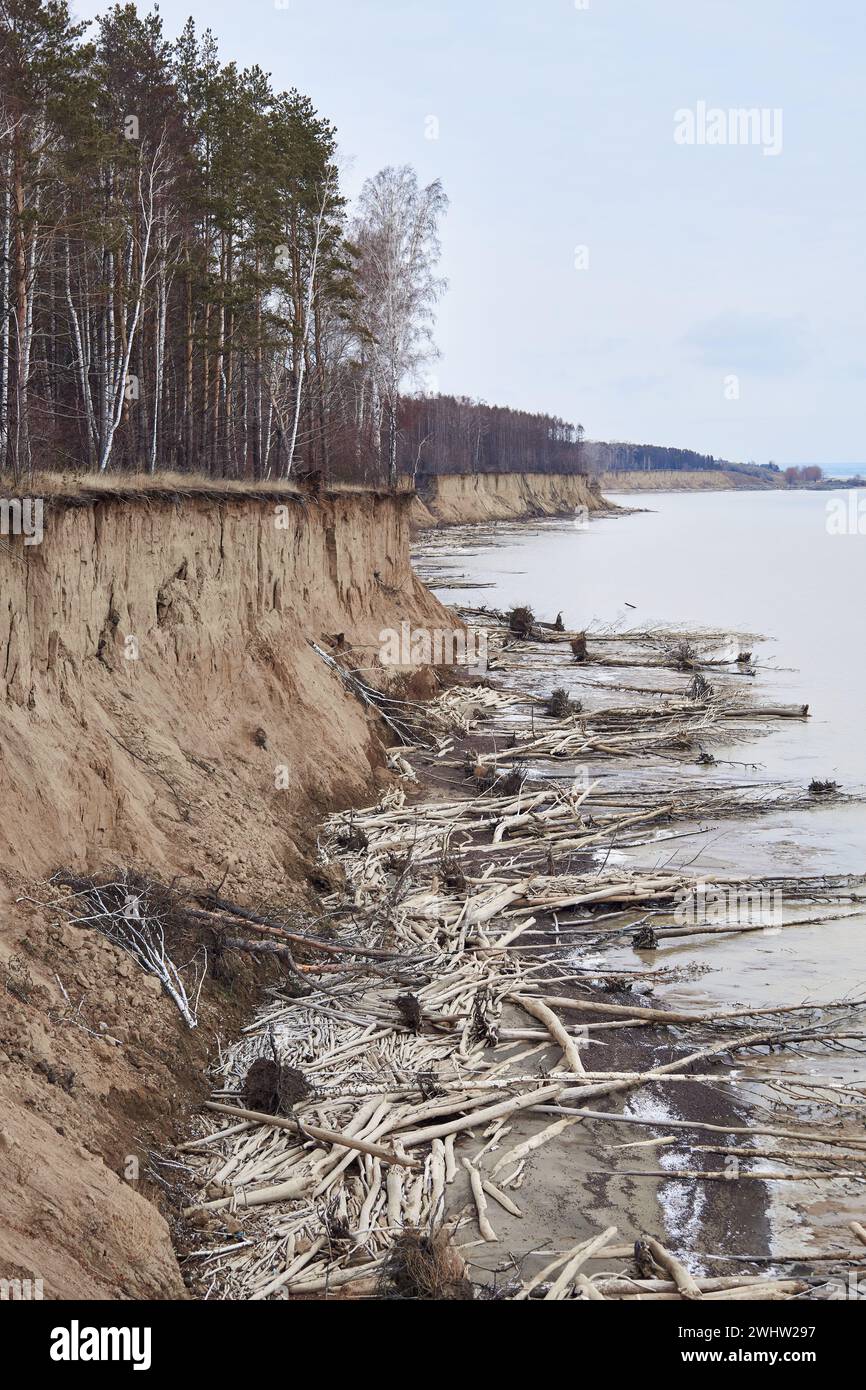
x,y
670,480
157,673
459,499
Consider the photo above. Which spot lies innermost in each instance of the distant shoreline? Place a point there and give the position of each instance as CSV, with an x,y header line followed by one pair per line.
x,y
669,480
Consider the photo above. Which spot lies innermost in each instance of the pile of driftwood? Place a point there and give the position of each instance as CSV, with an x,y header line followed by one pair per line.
x,y
411,1085
374,1129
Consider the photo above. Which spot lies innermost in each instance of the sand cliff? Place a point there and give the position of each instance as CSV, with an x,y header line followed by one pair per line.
x,y
156,668
460,498
687,480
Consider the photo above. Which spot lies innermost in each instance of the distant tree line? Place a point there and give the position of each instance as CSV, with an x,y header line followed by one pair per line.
x,y
453,434
627,458
180,284
619,457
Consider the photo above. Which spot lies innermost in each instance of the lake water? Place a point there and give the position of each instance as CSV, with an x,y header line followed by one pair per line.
x,y
765,563
757,562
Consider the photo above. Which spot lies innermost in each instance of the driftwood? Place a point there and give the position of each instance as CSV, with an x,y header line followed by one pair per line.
x,y
778,1131
480,1200
456,910
560,1286
482,1116
683,1281
539,1010
593,1245
730,1175
324,1136
501,1197
299,938
770,1291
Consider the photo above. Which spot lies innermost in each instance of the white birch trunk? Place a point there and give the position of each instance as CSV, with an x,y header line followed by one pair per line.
x,y
308,315
120,372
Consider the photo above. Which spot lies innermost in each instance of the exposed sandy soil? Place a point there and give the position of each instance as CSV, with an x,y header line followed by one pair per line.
x,y
459,499
157,673
669,480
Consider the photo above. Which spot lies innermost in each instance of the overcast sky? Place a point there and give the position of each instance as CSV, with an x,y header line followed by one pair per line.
x,y
719,301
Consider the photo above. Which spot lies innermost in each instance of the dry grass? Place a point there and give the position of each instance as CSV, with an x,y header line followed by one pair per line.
x,y
80,489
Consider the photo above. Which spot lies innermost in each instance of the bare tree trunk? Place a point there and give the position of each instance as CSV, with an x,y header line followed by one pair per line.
x,y
308,313
189,389
392,442
159,364
120,362
82,363
22,341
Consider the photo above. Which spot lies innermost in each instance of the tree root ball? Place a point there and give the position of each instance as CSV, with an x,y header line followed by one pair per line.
x,y
274,1089
425,1267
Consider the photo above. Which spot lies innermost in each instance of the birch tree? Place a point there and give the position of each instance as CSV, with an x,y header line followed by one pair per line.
x,y
177,289
312,280
396,236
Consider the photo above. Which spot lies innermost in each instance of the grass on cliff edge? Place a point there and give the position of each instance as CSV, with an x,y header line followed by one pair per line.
x,y
83,487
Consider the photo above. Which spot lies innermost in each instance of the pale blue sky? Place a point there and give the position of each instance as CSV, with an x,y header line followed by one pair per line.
x,y
556,130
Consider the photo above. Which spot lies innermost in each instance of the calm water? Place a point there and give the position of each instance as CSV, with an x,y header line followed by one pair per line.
x,y
754,562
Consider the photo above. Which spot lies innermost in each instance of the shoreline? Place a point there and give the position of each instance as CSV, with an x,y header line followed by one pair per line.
x,y
674,482
667,480
564,1194
456,499
122,1095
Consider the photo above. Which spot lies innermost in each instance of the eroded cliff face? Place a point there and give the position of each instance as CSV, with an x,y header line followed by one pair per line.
x,y
157,671
687,480
143,644
458,498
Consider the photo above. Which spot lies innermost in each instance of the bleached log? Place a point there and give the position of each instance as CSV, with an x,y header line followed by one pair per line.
x,y
621,1287
394,1189
771,1291
543,1274
773,1131
530,1145
675,1268
723,1175
477,1187
450,1162
559,1288
365,1217
591,1290
538,1010
486,905
414,1200
282,1192
291,1272
338,1278
480,1117
324,1136
501,1197
437,1179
